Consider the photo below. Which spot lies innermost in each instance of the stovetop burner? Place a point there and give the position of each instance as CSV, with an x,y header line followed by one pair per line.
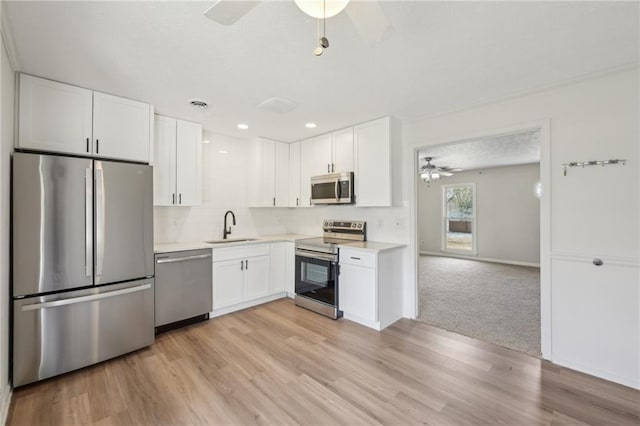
x,y
335,232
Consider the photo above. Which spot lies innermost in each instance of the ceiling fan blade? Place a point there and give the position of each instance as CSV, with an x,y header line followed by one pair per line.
x,y
227,12
369,21
443,173
453,170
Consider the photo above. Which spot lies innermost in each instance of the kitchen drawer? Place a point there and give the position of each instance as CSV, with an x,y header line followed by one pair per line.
x,y
358,257
57,333
240,252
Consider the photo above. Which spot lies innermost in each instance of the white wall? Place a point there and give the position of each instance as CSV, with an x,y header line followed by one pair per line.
x,y
507,212
594,213
224,188
7,89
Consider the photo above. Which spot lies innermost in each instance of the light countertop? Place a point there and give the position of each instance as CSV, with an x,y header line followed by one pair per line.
x,y
372,245
195,245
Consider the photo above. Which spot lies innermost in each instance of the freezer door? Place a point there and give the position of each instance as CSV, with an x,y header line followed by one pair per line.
x,y
66,331
52,208
124,221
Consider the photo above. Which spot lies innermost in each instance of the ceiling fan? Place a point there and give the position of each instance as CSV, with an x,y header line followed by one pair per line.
x,y
431,173
367,17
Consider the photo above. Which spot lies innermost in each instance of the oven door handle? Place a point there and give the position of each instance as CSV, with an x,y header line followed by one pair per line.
x,y
314,255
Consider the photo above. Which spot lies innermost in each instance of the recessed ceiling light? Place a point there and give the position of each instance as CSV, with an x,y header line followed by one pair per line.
x,y
206,141
311,125
222,151
243,126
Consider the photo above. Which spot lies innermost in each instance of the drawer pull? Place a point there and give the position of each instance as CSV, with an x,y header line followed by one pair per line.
x,y
355,258
598,262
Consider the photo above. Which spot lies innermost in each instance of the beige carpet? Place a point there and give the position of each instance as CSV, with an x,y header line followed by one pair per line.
x,y
489,301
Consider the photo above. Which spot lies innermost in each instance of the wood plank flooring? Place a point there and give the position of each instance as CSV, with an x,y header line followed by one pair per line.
x,y
280,364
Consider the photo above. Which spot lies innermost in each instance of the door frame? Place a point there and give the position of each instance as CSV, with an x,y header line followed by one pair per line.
x,y
411,176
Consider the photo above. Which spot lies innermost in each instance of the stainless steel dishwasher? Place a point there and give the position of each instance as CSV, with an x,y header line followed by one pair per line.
x,y
183,288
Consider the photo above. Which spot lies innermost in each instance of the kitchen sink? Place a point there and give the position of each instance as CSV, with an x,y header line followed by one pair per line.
x,y
231,240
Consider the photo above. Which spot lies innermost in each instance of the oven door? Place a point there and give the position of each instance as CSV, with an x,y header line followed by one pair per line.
x,y
316,277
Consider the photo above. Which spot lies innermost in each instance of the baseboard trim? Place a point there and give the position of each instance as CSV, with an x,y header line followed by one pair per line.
x,y
5,403
481,259
247,304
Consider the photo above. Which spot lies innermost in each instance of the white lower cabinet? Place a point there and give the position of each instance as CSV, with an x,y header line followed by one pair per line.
x,y
596,317
228,278
256,277
370,286
282,265
358,293
245,276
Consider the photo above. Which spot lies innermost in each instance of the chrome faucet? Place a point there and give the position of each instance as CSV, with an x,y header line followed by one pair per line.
x,y
228,231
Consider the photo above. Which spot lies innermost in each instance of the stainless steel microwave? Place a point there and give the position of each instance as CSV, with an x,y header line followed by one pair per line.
x,y
335,188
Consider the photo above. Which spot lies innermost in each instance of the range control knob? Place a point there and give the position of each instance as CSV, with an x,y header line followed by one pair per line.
x,y
360,226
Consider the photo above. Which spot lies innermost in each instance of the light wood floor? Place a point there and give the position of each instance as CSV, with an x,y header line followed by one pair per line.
x,y
279,364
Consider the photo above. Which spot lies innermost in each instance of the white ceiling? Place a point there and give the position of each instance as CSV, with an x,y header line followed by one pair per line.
x,y
497,151
441,56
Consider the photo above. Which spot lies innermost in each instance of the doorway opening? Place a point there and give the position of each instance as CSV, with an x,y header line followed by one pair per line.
x,y
478,239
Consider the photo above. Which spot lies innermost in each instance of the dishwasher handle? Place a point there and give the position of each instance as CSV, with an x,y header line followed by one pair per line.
x,y
161,260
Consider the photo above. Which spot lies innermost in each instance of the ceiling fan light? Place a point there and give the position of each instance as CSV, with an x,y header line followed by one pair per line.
x,y
316,8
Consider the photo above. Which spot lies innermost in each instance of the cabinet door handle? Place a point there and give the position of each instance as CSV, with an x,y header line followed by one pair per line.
x,y
297,201
173,198
180,198
274,201
354,258
328,168
242,265
246,264
598,262
333,169
87,144
97,146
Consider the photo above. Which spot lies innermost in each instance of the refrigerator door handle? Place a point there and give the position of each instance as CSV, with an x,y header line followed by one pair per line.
x,y
99,220
88,221
81,299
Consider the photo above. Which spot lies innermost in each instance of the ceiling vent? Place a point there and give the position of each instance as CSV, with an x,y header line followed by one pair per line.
x,y
278,105
198,103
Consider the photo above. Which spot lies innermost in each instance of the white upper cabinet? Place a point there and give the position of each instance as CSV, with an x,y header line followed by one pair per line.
x,y
58,117
281,174
177,161
333,152
121,128
269,176
263,175
294,174
54,116
188,163
164,161
342,148
322,157
372,142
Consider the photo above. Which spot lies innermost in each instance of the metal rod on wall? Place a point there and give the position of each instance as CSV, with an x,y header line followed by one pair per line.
x,y
565,166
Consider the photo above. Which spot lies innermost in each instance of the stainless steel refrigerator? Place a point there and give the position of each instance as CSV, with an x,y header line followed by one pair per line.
x,y
82,256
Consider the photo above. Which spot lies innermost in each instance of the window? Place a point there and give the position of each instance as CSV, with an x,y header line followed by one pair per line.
x,y
459,218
